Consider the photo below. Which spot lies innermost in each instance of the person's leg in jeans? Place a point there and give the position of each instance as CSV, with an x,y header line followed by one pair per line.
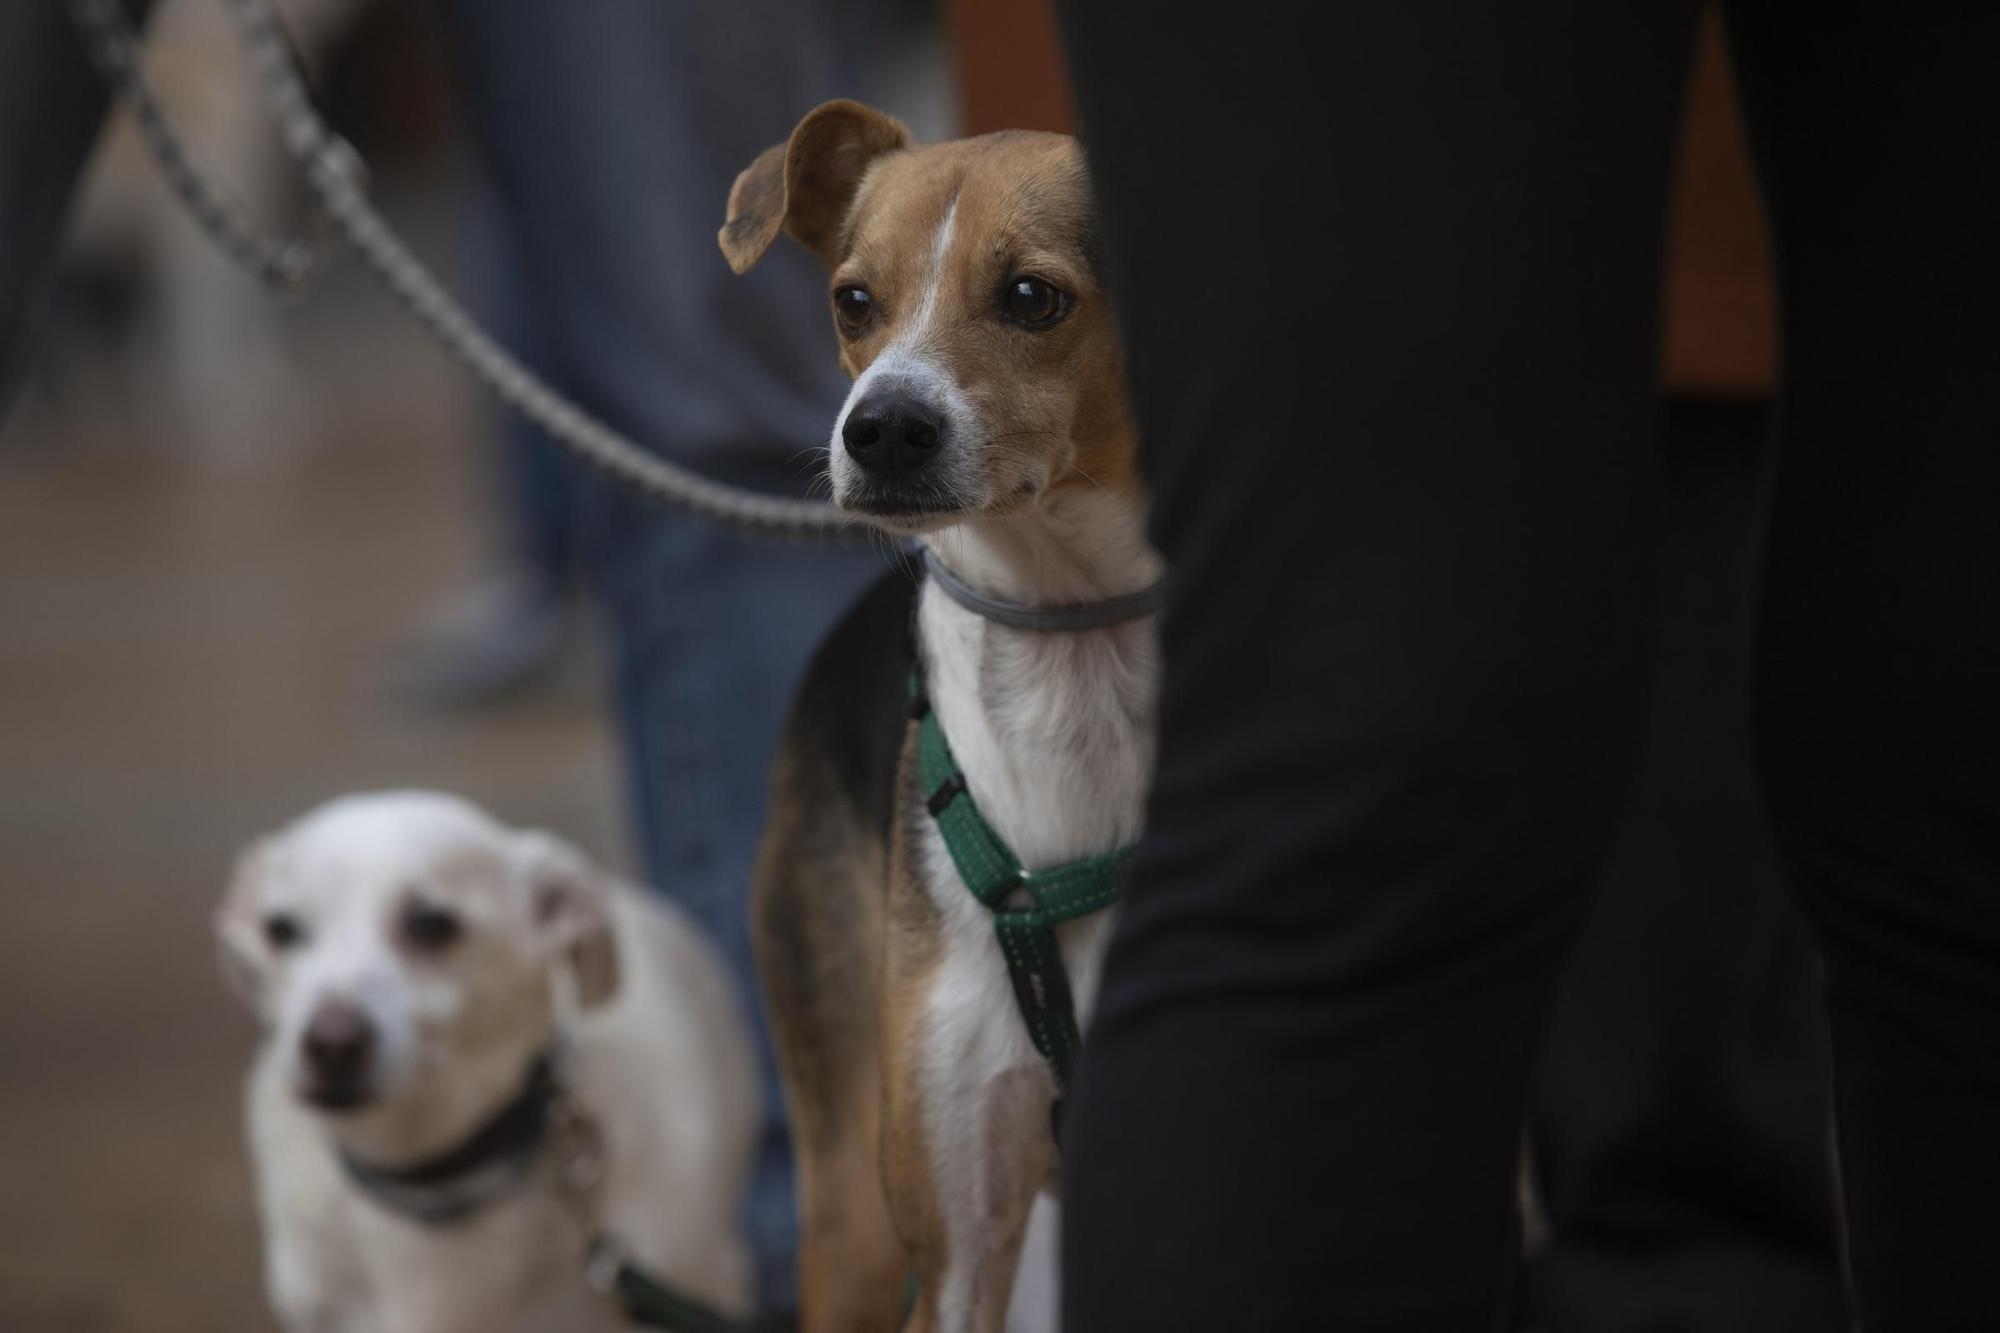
x,y
613,130
511,626
1391,291
1681,1129
1879,679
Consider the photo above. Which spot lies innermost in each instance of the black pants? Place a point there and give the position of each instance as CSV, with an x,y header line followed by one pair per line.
x,y
1391,288
1679,1127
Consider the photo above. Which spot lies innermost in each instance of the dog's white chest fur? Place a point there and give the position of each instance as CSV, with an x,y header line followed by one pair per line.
x,y
1054,734
1052,730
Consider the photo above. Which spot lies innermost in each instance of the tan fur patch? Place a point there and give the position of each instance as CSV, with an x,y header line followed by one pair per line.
x,y
817,914
910,962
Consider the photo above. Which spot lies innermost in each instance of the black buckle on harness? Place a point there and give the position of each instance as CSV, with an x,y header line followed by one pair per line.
x,y
947,792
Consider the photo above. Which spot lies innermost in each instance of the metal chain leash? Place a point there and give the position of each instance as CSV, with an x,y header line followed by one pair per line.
x,y
333,175
282,265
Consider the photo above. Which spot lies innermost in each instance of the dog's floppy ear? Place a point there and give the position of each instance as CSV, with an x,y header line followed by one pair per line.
x,y
239,931
570,911
805,184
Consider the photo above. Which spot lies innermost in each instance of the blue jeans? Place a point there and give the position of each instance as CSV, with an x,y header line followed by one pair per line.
x,y
711,632
611,131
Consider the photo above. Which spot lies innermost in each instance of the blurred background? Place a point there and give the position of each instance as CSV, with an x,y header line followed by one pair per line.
x,y
248,560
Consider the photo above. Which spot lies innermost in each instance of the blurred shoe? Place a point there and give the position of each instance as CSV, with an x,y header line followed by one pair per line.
x,y
509,634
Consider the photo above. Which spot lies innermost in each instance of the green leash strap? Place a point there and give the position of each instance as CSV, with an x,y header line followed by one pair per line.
x,y
647,1301
1026,905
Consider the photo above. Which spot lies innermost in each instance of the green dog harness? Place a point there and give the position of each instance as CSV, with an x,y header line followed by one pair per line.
x,y
1027,905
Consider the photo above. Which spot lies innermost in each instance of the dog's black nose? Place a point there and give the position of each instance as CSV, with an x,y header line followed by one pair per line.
x,y
891,434
338,1045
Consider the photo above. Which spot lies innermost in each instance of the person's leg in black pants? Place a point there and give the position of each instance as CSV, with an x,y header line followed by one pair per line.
x,y
1879,688
1681,1128
1391,293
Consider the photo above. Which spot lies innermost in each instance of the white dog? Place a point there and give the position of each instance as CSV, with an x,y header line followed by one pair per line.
x,y
482,1055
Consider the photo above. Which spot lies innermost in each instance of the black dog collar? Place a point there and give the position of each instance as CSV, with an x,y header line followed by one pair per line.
x,y
461,1181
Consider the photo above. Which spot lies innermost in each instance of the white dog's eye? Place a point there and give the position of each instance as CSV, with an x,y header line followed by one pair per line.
x,y
282,931
430,929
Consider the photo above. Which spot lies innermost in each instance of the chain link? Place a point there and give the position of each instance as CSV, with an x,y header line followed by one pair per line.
x,y
333,174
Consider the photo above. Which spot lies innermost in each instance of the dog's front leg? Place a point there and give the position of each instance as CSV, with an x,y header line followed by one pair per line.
x,y
966,1136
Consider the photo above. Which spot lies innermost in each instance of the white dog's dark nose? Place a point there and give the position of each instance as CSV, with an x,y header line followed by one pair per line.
x,y
339,1049
891,434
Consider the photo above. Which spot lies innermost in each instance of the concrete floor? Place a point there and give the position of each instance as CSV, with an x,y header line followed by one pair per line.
x,y
191,653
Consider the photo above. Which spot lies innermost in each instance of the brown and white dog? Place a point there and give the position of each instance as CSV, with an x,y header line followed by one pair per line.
x,y
988,417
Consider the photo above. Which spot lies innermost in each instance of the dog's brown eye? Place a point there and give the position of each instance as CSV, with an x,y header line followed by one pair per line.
x,y
1033,302
431,928
283,932
852,306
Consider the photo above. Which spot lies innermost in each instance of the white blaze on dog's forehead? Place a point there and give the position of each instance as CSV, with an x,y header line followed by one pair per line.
x,y
934,278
